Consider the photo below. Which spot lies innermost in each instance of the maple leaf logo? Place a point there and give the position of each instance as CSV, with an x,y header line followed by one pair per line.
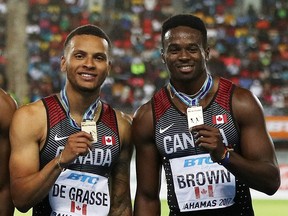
x,y
219,118
203,191
108,140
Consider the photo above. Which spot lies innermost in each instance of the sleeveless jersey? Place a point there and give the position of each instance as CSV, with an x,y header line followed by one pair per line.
x,y
196,185
82,189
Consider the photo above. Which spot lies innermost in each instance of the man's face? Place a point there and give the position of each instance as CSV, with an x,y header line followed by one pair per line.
x,y
184,54
86,62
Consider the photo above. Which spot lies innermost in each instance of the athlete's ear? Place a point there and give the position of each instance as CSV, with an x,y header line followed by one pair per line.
x,y
63,64
109,67
207,52
162,56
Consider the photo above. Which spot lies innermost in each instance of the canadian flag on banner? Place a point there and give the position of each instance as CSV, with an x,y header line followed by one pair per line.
x,y
108,140
82,208
220,119
206,192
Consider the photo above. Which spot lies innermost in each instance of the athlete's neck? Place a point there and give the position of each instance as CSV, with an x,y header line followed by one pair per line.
x,y
192,87
79,106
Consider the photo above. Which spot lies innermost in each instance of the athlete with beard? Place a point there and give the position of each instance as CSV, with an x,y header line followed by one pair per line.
x,y
208,134
71,151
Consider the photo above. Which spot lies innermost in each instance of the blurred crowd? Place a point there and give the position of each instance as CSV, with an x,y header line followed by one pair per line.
x,y
249,47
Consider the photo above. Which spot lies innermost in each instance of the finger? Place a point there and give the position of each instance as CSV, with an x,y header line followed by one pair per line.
x,y
200,127
201,140
81,134
90,146
82,140
83,151
204,147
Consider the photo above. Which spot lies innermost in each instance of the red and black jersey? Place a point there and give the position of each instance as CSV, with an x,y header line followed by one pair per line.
x,y
99,161
178,151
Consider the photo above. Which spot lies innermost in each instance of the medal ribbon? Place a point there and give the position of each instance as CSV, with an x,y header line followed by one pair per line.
x,y
88,115
199,95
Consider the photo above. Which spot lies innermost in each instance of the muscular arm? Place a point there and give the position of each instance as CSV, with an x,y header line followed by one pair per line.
x,y
120,177
29,185
7,109
148,164
257,164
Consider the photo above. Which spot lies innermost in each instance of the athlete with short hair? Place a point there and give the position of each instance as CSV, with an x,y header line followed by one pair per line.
x,y
71,152
207,133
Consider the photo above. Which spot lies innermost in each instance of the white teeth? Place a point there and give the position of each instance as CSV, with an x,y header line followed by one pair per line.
x,y
86,75
185,68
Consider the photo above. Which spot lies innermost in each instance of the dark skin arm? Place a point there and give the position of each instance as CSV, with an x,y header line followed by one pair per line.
x,y
7,109
120,176
256,165
148,164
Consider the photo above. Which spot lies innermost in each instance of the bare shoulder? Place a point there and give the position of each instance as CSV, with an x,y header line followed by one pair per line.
x,y
246,105
244,98
123,117
143,116
144,112
31,111
31,117
142,125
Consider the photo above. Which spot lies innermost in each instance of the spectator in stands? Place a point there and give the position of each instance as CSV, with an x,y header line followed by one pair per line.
x,y
134,29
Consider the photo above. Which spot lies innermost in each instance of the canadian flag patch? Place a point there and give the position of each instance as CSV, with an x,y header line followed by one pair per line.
x,y
108,140
203,192
78,208
220,119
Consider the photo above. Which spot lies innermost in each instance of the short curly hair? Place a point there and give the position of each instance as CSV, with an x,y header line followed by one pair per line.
x,y
184,20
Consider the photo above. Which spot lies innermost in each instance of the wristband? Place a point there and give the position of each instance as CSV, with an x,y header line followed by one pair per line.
x,y
226,159
59,163
224,154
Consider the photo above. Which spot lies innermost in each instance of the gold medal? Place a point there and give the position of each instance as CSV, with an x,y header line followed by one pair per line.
x,y
89,126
